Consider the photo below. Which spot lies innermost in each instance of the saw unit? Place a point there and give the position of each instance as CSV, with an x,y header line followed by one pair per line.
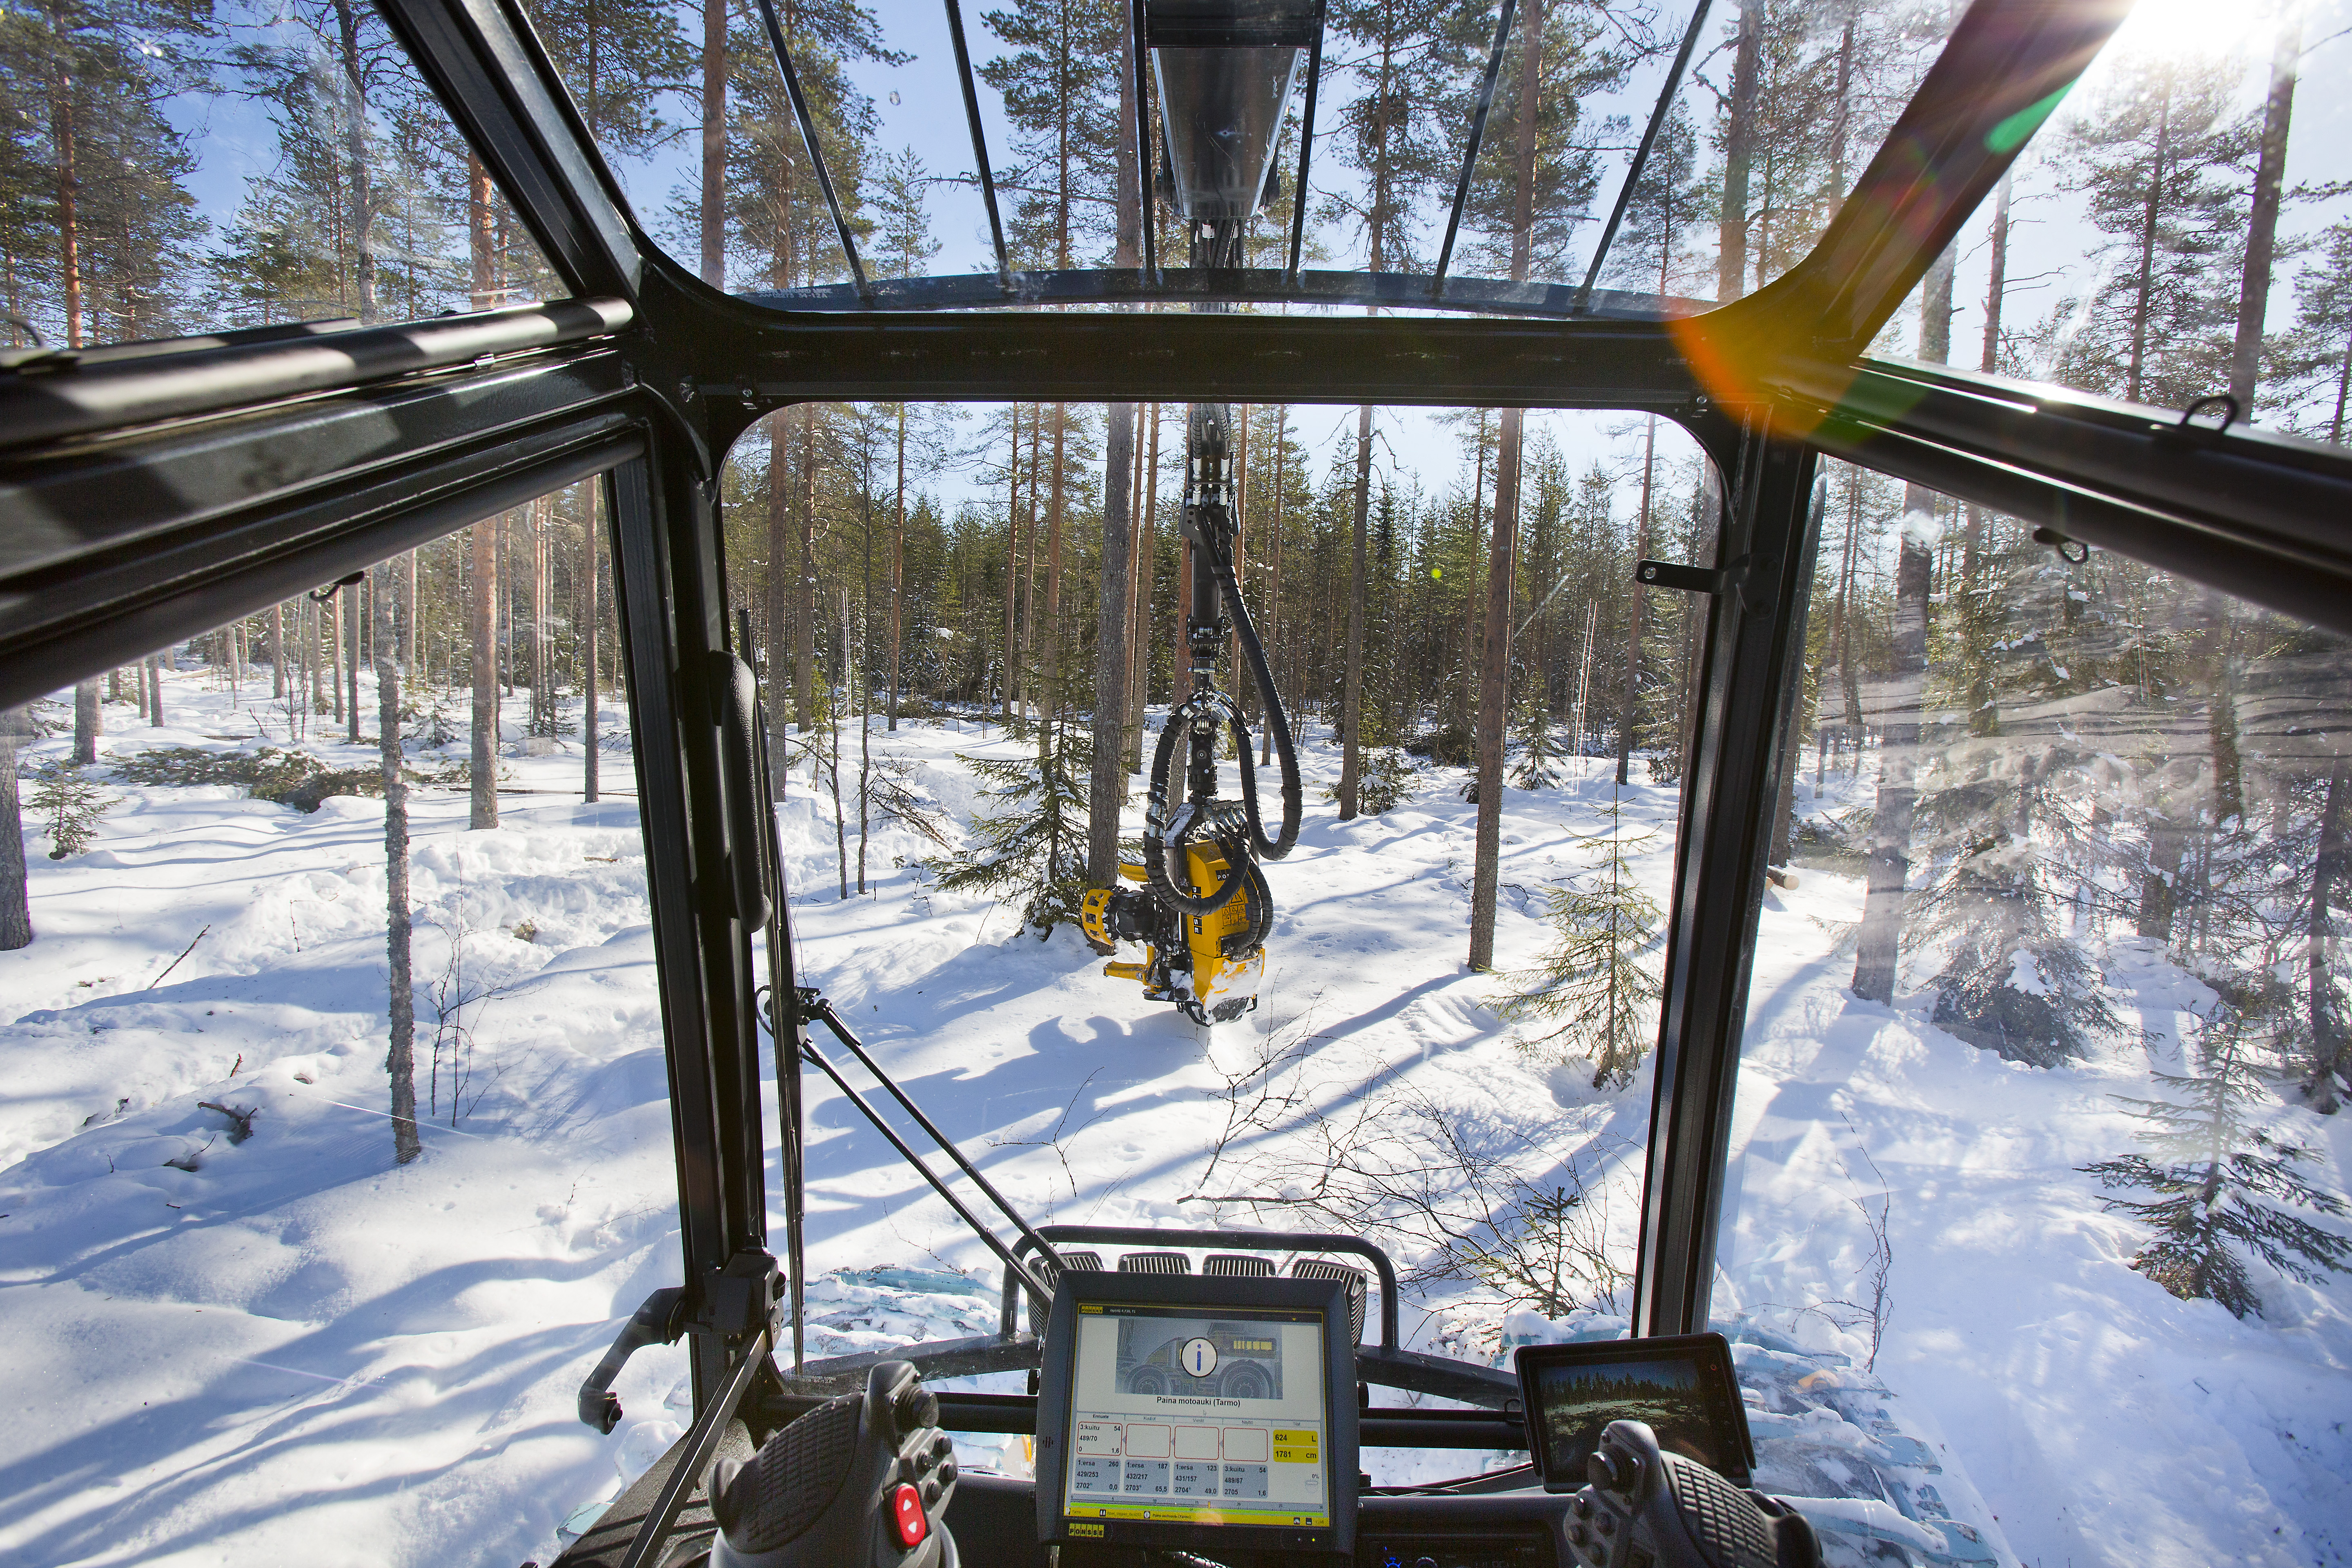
x,y
1202,908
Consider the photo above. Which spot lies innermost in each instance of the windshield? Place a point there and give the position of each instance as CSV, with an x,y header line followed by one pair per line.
x,y
174,170
1764,117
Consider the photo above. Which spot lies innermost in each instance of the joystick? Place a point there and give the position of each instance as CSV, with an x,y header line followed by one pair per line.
x,y
1640,1505
862,1482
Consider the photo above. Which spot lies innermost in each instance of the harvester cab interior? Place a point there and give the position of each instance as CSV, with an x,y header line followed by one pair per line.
x,y
1273,1366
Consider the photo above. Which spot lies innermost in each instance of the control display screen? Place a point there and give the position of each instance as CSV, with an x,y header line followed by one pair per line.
x,y
1682,1387
1193,1414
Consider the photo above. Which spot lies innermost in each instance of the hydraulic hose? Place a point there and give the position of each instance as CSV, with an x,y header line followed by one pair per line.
x,y
1157,847
1286,749
1160,847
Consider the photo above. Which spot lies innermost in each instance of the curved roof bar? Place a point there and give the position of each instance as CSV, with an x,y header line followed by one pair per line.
x,y
1255,286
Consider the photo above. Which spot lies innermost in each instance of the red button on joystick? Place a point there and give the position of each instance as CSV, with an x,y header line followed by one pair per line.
x,y
907,1517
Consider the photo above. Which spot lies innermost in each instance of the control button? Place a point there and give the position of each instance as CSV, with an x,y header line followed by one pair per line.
x,y
942,1445
915,1406
947,1472
1579,1534
1583,1506
908,1520
1608,1524
1613,1472
931,1493
1424,1562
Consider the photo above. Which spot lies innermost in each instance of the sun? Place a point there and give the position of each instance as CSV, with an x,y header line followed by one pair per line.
x,y
2185,28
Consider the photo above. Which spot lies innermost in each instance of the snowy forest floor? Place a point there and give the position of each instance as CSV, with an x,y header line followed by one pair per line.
x,y
289,1348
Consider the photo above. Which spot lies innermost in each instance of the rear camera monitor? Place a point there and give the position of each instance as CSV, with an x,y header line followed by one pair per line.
x,y
1205,1413
1681,1385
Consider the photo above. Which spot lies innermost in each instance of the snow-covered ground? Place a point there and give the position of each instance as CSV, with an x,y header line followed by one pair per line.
x,y
296,1349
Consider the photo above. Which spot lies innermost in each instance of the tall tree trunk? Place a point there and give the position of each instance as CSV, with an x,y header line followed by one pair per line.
x,y
1879,947
859,672
63,141
1107,787
1997,278
350,617
1630,705
155,690
1053,630
1147,555
591,626
783,561
1493,692
898,566
89,723
804,585
1351,699
1029,545
1739,155
2261,232
1495,660
16,891
714,150
1178,640
2152,215
1106,793
362,185
840,829
1012,564
277,652
2331,1047
399,980
1274,576
482,613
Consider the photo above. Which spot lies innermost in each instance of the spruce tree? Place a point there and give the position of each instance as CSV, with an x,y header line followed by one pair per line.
x,y
1537,764
1030,840
2225,1190
1593,994
1999,841
71,803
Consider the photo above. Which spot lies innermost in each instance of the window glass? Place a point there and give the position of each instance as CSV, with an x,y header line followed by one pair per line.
x,y
2035,1229
1379,1087
1787,101
167,170
2179,229
253,1309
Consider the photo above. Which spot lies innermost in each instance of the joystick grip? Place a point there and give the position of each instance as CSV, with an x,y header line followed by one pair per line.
x,y
1647,1506
861,1480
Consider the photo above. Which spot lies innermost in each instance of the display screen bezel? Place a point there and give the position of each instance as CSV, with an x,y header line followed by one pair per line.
x,y
1708,1354
1326,1298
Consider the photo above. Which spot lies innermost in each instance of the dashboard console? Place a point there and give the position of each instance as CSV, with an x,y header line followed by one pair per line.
x,y
1216,1414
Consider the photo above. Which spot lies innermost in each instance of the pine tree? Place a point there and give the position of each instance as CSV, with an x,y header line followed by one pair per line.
x,y
2319,353
1060,78
2160,158
99,233
2226,1189
1593,990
